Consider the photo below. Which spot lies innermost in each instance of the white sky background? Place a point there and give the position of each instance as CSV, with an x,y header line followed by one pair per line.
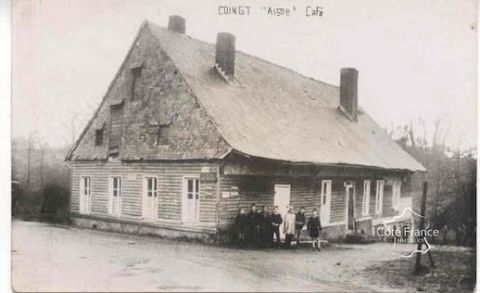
x,y
416,58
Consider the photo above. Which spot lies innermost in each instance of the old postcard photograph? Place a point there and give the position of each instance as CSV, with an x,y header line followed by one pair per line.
x,y
252,146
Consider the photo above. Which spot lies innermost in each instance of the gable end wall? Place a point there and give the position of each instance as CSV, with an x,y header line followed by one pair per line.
x,y
166,100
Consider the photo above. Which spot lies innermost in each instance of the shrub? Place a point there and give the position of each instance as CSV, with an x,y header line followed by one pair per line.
x,y
55,202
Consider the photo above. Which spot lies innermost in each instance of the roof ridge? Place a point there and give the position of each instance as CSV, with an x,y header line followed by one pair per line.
x,y
242,52
195,96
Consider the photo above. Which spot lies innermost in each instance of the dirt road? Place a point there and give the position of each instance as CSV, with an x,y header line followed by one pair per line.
x,y
54,258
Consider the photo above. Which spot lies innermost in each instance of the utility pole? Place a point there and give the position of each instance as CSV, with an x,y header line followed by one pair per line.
x,y
421,227
29,154
41,166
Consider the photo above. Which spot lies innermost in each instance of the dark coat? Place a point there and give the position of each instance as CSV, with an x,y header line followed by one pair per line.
x,y
241,223
299,221
314,226
264,219
253,222
276,220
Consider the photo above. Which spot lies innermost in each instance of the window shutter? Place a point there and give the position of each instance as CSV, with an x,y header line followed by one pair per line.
x,y
116,117
144,195
110,194
80,196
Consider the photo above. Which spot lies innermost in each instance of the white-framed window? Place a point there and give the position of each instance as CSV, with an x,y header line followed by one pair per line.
x,y
396,191
150,203
117,185
325,201
115,196
366,198
152,186
379,197
85,195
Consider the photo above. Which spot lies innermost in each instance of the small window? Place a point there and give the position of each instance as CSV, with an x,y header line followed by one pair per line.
x,y
136,89
366,198
151,186
379,197
324,192
99,136
86,185
116,186
157,135
193,189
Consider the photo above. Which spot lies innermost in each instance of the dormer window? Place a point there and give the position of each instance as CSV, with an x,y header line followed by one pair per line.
x,y
136,87
158,134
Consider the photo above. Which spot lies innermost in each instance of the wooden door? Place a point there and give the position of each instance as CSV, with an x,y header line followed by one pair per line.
x,y
350,196
150,198
191,200
325,202
282,200
116,196
85,196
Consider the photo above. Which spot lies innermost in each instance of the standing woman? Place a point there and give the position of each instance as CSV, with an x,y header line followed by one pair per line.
x,y
314,227
289,227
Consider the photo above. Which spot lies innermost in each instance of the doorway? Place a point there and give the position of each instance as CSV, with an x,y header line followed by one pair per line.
x,y
191,200
150,206
116,196
350,196
325,202
282,200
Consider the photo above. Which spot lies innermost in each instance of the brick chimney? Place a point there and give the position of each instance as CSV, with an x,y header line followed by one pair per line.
x,y
348,92
176,23
225,55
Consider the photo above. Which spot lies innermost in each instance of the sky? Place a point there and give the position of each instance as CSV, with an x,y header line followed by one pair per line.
x,y
416,58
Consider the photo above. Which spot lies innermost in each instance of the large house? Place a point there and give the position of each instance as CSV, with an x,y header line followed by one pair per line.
x,y
189,132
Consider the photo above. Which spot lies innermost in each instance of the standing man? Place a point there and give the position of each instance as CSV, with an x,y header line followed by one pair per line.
x,y
240,225
264,229
299,223
289,227
276,221
252,225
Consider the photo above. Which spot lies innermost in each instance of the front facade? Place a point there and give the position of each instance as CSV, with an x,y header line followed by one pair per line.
x,y
189,132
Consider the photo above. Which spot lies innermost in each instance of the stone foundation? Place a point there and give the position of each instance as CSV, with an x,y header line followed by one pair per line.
x,y
143,229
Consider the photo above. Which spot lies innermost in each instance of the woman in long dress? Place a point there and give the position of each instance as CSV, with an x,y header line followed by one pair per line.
x,y
289,227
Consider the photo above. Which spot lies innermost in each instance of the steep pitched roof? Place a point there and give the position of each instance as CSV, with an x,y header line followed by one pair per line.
x,y
275,113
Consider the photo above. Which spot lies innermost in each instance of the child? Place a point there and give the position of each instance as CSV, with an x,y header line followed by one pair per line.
x,y
299,223
314,228
289,227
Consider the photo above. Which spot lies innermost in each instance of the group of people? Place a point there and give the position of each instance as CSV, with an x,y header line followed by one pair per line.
x,y
260,228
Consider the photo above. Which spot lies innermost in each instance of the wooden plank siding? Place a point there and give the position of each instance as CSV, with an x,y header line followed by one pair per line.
x,y
387,207
244,190
170,188
338,204
305,192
